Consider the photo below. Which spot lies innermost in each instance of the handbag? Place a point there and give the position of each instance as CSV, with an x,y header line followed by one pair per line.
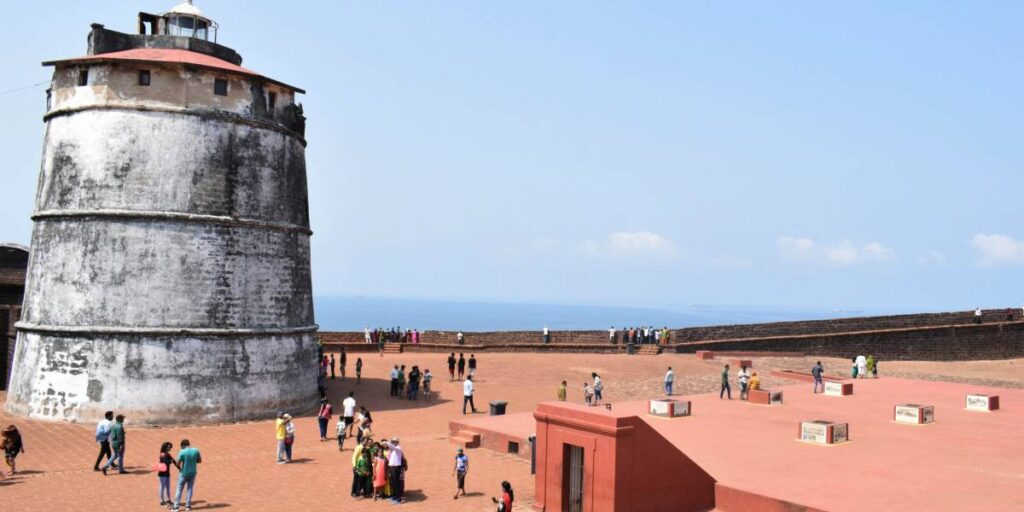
x,y
289,440
160,467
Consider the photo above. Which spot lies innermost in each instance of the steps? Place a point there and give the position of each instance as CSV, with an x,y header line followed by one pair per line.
x,y
648,350
466,439
392,348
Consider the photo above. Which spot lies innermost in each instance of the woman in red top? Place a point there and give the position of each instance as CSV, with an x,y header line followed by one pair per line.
x,y
507,497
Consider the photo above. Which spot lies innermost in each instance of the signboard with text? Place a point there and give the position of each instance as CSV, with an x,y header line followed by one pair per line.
x,y
982,402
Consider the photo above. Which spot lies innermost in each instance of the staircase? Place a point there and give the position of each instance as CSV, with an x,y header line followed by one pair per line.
x,y
648,350
392,348
466,439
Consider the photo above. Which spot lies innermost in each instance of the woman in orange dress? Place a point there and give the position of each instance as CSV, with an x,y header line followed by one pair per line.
x,y
379,475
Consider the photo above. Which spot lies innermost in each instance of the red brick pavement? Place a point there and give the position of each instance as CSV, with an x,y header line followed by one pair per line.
x,y
238,470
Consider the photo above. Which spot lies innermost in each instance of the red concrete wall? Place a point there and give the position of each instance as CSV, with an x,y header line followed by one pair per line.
x,y
728,499
627,464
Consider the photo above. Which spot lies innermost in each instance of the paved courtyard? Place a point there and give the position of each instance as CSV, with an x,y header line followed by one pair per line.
x,y
238,470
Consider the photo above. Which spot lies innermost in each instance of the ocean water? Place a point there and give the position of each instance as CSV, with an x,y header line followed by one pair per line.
x,y
354,313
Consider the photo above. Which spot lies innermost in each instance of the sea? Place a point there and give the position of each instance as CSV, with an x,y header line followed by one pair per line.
x,y
355,313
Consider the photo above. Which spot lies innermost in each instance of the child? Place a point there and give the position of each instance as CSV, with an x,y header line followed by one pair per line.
x,y
163,472
588,394
853,372
561,392
13,445
426,383
340,433
380,466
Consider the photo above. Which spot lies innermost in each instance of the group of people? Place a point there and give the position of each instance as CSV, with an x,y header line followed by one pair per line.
x,y
378,469
393,335
408,386
862,367
593,394
645,335
460,364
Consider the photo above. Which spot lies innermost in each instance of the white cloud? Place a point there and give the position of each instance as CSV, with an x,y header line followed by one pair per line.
x,y
998,250
630,244
932,257
730,261
843,253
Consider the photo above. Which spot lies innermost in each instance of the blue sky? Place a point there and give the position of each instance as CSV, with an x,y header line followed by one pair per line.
x,y
798,154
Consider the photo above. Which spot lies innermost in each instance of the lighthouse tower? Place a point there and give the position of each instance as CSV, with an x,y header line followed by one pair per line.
x,y
169,274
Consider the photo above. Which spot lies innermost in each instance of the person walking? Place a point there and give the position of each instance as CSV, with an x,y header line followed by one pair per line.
x,y
598,387
507,497
744,378
588,394
427,377
13,444
359,370
459,472
323,417
670,378
562,391
467,394
862,367
348,411
472,365
103,438
725,384
117,444
339,433
188,462
396,464
332,365
853,368
462,366
816,372
289,437
163,473
451,367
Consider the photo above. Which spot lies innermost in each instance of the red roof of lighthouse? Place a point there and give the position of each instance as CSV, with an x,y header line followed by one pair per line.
x,y
169,55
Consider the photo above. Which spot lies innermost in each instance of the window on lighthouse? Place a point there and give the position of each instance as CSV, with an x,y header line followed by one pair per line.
x,y
144,77
220,86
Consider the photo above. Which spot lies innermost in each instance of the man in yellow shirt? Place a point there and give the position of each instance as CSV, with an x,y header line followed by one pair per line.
x,y
279,428
755,382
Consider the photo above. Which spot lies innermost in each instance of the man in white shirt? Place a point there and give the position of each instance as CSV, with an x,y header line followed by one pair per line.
x,y
366,334
611,335
348,411
395,456
744,378
103,438
467,394
670,378
547,335
394,381
461,338
862,367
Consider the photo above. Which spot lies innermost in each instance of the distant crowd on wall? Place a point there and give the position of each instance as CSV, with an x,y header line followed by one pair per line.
x,y
646,335
392,335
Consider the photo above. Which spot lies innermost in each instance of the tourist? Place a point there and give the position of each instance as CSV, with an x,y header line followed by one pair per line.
x,y
366,334
380,342
365,428
562,391
289,437
725,384
657,337
163,473
472,365
588,394
321,383
467,395
358,484
871,366
332,365
665,335
339,433
598,387
816,371
363,471
853,370
547,335
862,366
427,377
507,497
611,335
12,444
451,367
323,417
459,472
117,445
416,336
103,438
461,338
401,382
344,363
462,366
280,434
755,383
977,315
670,378
874,369
414,382
380,473
188,460
359,370
396,466
394,381
744,378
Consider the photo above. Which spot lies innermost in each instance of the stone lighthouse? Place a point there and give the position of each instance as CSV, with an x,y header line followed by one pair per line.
x,y
169,273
